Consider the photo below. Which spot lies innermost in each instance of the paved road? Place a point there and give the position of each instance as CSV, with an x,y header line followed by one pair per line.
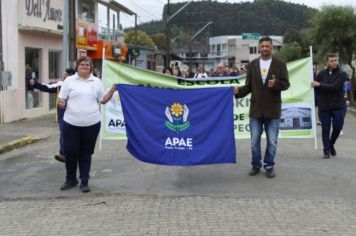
x,y
309,196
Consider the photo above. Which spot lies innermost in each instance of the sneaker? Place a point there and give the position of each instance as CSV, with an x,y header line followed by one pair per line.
x,y
60,158
326,154
270,173
341,133
85,188
318,122
69,184
332,151
254,171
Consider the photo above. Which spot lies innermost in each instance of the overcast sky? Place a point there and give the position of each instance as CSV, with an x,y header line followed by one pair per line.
x,y
152,10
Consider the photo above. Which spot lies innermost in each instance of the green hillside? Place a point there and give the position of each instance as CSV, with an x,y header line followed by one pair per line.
x,y
272,17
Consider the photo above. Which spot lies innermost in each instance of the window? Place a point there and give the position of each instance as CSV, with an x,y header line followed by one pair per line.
x,y
86,10
306,119
253,50
32,71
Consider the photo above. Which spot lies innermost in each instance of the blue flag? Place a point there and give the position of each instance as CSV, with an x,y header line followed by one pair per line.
x,y
179,127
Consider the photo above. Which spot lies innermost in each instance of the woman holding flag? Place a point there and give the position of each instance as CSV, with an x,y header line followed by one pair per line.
x,y
81,95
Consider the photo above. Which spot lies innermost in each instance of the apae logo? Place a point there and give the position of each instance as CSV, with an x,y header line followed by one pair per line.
x,y
177,122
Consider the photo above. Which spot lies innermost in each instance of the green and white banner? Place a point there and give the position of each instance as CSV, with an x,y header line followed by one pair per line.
x,y
298,109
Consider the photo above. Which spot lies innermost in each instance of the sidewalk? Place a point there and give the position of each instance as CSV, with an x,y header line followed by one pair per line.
x,y
26,131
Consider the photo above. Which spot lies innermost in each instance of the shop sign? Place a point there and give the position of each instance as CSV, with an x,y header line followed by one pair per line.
x,y
41,15
86,35
44,10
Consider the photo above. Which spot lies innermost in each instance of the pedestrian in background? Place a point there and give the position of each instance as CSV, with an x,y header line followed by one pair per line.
x,y
176,72
347,95
81,94
331,102
167,71
55,88
220,69
266,78
200,73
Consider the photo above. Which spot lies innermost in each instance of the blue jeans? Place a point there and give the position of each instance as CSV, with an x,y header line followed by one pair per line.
x,y
271,127
336,117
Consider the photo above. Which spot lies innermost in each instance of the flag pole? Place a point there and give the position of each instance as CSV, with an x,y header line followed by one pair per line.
x,y
313,97
102,105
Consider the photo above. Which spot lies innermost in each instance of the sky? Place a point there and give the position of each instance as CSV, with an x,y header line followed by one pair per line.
x,y
152,10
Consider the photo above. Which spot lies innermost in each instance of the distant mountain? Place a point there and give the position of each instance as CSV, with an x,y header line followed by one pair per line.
x,y
269,17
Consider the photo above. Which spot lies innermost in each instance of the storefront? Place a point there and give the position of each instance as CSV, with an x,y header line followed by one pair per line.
x,y
97,28
32,36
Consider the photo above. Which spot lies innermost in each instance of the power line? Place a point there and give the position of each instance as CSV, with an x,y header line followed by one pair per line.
x,y
144,9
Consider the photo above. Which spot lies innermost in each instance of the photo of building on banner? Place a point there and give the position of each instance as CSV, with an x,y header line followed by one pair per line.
x,y
298,111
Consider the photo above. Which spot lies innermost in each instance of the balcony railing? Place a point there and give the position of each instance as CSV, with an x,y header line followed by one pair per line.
x,y
111,34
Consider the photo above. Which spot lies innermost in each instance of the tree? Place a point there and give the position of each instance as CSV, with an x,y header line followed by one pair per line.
x,y
159,39
334,29
293,35
290,52
139,38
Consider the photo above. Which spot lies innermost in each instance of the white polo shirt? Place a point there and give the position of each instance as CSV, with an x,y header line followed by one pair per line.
x,y
83,97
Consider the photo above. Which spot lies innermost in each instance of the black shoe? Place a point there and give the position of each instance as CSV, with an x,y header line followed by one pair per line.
x,y
326,154
254,171
69,184
85,188
332,151
270,173
60,158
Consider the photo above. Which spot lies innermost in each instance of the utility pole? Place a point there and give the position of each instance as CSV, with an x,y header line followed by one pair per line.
x,y
191,41
135,59
168,30
168,34
1,48
72,50
65,35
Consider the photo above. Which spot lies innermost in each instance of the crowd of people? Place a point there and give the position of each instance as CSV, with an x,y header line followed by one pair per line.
x,y
200,73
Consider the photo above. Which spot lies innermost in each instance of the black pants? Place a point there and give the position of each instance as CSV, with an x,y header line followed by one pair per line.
x,y
79,144
334,118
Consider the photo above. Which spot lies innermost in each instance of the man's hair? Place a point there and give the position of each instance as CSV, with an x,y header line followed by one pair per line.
x,y
265,38
330,55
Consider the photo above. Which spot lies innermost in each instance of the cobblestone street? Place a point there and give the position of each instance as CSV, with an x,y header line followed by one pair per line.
x,y
309,196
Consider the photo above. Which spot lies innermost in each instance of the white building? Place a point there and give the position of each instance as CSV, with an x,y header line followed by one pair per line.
x,y
32,42
234,50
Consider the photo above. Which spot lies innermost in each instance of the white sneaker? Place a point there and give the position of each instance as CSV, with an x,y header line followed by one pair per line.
x,y
341,133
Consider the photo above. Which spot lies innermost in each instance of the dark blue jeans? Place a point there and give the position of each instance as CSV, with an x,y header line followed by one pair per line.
x,y
271,127
79,144
336,118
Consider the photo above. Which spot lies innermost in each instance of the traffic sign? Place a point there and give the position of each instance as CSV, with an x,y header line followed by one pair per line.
x,y
255,36
134,52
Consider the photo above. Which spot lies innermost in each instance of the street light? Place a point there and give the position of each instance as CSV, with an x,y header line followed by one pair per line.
x,y
168,30
191,41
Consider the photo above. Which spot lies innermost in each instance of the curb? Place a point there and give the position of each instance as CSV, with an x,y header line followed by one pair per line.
x,y
18,143
352,110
